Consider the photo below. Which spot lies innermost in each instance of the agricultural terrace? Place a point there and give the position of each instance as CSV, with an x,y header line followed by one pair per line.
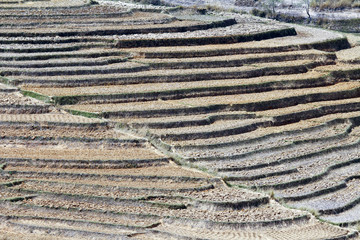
x,y
120,121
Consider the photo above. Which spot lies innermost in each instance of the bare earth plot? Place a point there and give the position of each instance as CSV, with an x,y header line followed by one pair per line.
x,y
123,122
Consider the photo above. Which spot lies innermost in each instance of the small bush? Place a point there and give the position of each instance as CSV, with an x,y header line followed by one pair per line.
x,y
255,12
343,4
356,4
152,2
259,13
333,5
202,11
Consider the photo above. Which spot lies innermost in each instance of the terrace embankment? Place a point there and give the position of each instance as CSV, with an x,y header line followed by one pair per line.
x,y
256,103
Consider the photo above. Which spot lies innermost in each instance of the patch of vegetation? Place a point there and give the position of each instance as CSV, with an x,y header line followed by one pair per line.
x,y
38,96
84,114
259,13
4,80
334,4
152,2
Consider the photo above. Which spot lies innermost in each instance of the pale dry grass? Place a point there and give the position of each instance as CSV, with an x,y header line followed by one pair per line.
x,y
170,72
338,67
230,57
57,224
49,4
305,107
349,55
132,183
174,119
44,118
260,132
216,126
4,194
16,210
135,18
153,87
305,35
70,28
206,101
124,66
43,131
8,233
59,152
65,54
167,170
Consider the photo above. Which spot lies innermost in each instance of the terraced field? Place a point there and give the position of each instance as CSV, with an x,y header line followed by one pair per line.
x,y
120,123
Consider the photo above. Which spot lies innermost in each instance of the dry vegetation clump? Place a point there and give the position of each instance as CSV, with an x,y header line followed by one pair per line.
x,y
334,5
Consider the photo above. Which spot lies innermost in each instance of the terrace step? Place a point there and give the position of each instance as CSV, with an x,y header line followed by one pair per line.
x,y
291,168
86,11
183,93
55,128
232,166
122,67
158,76
69,62
211,199
110,179
172,91
291,150
53,40
234,126
171,173
50,119
172,27
333,202
245,144
66,232
96,189
76,228
346,218
341,97
249,85
83,164
136,18
180,215
342,131
45,4
303,177
316,231
236,60
64,47
78,142
184,121
350,56
7,89
11,195
62,213
305,39
304,231
83,53
51,152
218,129
24,109
232,34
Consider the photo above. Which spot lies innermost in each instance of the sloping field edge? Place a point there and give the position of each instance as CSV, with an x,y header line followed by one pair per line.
x,y
205,40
